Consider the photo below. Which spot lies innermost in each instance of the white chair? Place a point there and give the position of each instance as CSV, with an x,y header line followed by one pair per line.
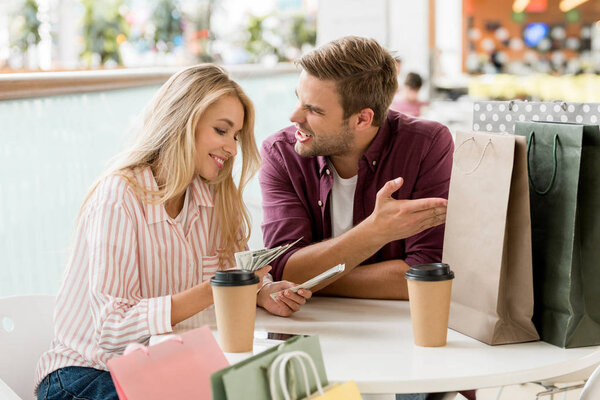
x,y
26,330
591,390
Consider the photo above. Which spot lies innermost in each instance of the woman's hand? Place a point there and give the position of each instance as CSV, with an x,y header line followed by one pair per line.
x,y
286,303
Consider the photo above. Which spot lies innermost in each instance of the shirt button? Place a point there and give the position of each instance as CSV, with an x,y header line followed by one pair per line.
x,y
327,171
374,162
320,203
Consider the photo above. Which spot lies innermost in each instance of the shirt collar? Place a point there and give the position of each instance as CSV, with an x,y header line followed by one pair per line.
x,y
201,195
322,163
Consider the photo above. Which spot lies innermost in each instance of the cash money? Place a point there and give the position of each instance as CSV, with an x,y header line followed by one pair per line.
x,y
252,260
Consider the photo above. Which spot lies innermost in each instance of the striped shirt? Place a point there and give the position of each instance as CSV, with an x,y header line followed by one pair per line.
x,y
128,258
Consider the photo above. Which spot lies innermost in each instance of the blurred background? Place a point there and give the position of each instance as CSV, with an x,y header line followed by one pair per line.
x,y
75,73
75,34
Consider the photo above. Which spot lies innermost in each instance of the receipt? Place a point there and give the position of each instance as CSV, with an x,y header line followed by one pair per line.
x,y
330,273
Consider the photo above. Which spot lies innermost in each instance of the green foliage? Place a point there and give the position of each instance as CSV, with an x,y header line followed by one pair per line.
x,y
256,45
198,23
278,35
167,20
303,32
102,26
29,34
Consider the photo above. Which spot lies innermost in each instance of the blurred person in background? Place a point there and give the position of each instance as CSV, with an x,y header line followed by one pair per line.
x,y
407,100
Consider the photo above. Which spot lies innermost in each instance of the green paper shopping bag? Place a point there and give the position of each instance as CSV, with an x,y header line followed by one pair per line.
x,y
249,379
564,173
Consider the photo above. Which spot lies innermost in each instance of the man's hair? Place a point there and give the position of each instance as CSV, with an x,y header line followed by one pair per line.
x,y
413,81
363,71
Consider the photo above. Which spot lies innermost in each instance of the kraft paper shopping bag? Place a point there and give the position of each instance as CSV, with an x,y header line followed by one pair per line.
x,y
177,368
564,161
487,240
249,379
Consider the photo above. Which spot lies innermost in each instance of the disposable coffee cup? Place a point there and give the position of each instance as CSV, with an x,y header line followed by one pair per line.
x,y
429,289
234,293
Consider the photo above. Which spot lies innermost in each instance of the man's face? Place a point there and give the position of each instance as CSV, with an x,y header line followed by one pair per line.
x,y
318,116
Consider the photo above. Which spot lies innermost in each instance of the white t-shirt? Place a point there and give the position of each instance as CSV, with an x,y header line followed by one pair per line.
x,y
342,202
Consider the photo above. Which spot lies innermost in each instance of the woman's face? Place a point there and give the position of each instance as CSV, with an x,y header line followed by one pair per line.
x,y
216,136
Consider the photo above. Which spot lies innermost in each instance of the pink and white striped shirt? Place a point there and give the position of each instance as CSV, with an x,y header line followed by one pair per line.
x,y
128,258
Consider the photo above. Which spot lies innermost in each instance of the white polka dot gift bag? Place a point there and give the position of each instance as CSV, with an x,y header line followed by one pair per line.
x,y
500,116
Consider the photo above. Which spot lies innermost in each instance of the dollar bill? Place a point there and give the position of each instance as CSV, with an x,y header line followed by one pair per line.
x,y
252,260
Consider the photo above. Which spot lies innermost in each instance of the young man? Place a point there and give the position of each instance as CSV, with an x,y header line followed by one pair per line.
x,y
359,184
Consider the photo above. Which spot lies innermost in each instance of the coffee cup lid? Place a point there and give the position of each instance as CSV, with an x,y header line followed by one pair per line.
x,y
234,277
429,272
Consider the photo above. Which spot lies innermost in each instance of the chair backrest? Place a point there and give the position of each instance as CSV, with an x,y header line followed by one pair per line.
x,y
591,390
26,330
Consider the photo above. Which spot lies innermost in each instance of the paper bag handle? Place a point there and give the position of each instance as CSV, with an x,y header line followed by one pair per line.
x,y
480,158
530,140
278,366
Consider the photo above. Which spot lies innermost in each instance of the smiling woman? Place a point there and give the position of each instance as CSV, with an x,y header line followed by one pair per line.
x,y
217,135
153,229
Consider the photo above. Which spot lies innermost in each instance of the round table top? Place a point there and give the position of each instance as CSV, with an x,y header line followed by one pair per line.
x,y
371,342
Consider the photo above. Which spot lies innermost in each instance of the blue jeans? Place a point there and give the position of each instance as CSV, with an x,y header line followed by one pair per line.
x,y
77,383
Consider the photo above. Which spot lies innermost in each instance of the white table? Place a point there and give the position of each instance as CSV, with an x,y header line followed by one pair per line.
x,y
371,342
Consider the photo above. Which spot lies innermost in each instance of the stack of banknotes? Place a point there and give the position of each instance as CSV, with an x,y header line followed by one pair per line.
x,y
252,260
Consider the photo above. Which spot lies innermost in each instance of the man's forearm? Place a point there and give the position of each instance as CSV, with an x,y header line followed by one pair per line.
x,y
383,280
351,248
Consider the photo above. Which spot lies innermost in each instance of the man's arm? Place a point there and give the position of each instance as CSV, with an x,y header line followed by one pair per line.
x,y
287,218
391,220
383,280
351,248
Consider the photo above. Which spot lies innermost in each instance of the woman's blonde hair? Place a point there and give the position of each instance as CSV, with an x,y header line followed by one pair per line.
x,y
165,141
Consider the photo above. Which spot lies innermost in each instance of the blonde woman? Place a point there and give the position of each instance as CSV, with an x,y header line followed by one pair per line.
x,y
153,230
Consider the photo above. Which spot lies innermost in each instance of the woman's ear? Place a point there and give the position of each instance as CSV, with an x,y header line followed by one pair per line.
x,y
364,118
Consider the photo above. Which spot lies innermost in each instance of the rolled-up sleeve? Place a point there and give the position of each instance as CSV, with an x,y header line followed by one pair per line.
x,y
433,181
285,217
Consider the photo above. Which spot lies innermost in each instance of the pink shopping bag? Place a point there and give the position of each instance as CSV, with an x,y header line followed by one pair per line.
x,y
177,368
